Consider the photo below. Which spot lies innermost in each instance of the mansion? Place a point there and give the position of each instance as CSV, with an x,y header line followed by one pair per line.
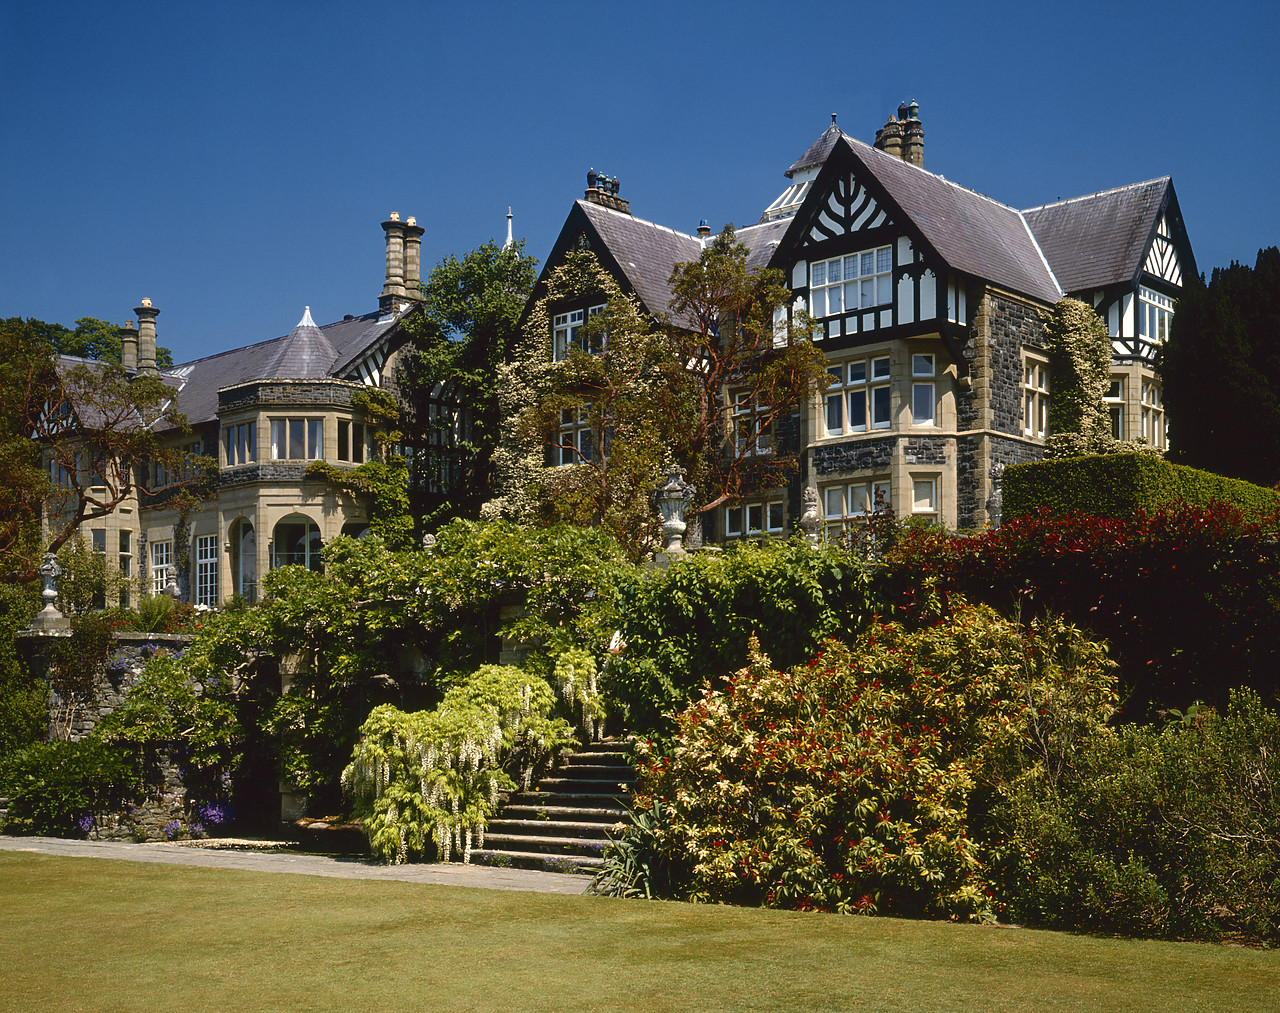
x,y
928,298
265,411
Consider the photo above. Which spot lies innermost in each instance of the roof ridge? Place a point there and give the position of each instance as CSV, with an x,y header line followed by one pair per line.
x,y
1043,259
1099,193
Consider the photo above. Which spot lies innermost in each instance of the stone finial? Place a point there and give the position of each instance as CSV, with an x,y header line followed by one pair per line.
x,y
49,619
995,501
811,516
673,501
428,542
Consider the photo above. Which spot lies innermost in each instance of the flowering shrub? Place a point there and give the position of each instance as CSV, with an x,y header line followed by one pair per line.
x,y
56,788
437,775
1182,595
845,784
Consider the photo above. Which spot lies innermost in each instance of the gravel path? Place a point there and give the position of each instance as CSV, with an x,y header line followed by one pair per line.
x,y
225,857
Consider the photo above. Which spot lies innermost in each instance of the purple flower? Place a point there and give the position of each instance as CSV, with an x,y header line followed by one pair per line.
x,y
85,823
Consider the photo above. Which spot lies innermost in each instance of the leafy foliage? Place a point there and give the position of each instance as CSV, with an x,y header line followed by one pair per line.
x,y
1182,595
692,622
437,775
1115,485
56,788
845,784
1221,371
1167,831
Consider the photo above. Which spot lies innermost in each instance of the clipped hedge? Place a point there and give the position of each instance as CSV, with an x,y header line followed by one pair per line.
x,y
1115,485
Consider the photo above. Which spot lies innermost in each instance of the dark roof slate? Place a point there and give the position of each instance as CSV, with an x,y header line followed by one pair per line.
x,y
972,233
762,239
200,379
818,151
1102,238
303,352
645,252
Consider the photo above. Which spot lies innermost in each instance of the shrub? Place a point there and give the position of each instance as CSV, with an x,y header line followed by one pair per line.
x,y
1167,831
1116,485
57,788
1183,595
692,622
436,776
845,784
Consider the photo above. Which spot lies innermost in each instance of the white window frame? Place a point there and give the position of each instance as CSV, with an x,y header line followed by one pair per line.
x,y
880,396
862,281
1153,420
161,553
753,436
1155,314
566,331
207,570
753,519
847,503
1115,406
285,436
575,441
927,484
1035,397
924,396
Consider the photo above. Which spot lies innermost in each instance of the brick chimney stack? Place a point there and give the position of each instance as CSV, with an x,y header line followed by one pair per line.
x,y
147,338
128,346
393,287
903,136
413,259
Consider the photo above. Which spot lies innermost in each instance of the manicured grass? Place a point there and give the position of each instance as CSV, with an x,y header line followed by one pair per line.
x,y
86,934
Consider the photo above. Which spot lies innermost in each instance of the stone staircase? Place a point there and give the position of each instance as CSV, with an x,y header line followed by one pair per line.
x,y
561,824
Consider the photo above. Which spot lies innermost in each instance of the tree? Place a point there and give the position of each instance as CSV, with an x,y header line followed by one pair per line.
x,y
91,339
470,318
1221,372
73,442
745,370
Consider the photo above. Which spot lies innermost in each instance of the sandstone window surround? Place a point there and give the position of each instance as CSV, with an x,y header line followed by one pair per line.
x,y
855,281
567,332
859,397
355,442
924,495
297,439
1115,406
295,541
1035,396
125,557
1153,421
924,396
849,503
240,443
753,519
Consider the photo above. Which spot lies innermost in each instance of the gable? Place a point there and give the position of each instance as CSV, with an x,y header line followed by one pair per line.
x,y
1162,256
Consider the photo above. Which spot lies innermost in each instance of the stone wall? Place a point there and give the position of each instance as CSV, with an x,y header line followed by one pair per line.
x,y
864,455
992,451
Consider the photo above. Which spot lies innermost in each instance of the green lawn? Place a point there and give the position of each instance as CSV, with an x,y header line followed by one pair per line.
x,y
95,935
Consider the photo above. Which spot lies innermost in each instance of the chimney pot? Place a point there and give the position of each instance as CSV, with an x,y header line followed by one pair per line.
x,y
394,216
412,221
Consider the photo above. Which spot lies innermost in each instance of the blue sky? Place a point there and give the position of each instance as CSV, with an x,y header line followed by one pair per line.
x,y
232,162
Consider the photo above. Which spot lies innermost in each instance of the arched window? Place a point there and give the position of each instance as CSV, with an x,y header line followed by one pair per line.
x,y
296,542
244,559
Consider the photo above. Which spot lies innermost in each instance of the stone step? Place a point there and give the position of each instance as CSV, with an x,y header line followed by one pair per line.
x,y
525,843
509,825
578,799
595,772
580,814
581,864
609,759
586,785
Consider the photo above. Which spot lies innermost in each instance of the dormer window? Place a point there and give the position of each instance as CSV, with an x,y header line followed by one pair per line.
x,y
859,281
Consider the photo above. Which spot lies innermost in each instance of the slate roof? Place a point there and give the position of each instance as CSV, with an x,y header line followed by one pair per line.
x,y
1102,238
646,252
818,151
762,239
295,355
971,232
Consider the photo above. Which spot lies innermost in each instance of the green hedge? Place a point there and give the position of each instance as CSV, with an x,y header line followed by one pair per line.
x,y
1115,485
